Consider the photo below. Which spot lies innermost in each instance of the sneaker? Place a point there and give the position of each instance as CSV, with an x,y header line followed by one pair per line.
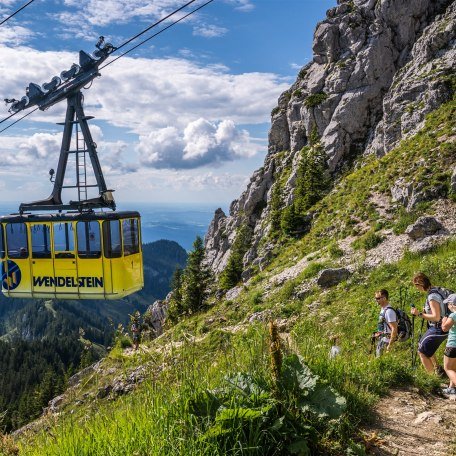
x,y
440,372
449,390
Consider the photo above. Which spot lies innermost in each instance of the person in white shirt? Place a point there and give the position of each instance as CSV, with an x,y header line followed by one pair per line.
x,y
386,333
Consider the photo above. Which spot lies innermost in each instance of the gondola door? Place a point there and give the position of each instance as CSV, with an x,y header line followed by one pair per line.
x,y
42,265
65,262
90,261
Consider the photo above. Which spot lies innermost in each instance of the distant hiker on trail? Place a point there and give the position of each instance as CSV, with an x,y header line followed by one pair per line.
x,y
136,331
449,358
335,349
432,314
387,328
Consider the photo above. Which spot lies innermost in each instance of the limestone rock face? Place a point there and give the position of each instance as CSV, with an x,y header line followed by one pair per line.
x,y
421,86
378,67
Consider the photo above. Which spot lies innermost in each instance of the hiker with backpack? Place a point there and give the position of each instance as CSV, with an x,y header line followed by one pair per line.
x,y
136,330
449,357
432,314
387,329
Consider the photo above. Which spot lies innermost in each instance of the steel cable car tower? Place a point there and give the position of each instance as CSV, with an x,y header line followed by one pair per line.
x,y
68,86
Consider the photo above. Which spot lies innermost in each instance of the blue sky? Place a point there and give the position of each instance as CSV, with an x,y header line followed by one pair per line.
x,y
182,119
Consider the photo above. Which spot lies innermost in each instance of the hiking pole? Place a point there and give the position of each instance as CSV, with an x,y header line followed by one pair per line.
x,y
412,342
372,344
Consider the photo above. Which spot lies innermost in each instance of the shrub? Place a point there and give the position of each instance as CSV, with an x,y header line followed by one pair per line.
x,y
302,73
335,251
315,99
275,111
368,241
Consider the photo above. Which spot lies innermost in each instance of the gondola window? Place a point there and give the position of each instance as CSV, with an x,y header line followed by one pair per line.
x,y
41,238
89,239
63,240
2,243
16,240
112,240
130,236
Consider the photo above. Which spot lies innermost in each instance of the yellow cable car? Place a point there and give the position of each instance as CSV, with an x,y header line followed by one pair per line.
x,y
80,254
71,256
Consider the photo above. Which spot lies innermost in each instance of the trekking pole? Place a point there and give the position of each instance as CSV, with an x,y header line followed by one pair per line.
x,y
372,344
412,342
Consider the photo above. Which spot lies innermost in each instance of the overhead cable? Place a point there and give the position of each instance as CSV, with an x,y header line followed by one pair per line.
x,y
158,33
125,43
17,11
155,24
9,117
18,120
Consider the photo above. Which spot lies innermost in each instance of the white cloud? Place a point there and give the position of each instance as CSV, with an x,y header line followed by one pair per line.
x,y
30,152
15,35
209,31
242,5
202,143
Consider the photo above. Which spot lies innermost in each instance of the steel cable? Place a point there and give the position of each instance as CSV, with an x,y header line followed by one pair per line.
x,y
17,11
158,33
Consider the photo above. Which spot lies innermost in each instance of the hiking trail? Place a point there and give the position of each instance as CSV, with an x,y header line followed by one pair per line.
x,y
409,424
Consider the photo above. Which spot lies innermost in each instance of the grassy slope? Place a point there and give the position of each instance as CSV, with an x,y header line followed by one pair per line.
x,y
154,420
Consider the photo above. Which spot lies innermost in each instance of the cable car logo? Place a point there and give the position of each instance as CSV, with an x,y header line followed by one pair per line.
x,y
68,282
11,275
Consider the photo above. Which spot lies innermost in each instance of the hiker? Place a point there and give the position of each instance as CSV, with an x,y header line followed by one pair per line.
x,y
387,328
449,357
335,349
432,314
136,331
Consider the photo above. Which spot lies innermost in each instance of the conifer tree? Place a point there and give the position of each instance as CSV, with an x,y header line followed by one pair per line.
x,y
313,181
176,308
196,279
234,267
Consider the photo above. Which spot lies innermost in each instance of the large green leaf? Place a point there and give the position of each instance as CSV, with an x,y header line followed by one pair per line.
x,y
296,376
204,404
242,414
312,395
324,402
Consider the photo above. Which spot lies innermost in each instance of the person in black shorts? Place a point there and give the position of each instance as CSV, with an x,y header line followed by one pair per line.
x,y
432,314
449,358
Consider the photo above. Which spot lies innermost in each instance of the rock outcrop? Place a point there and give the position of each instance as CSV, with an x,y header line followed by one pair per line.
x,y
378,67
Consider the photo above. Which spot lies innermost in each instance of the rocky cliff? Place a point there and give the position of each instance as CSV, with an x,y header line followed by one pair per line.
x,y
378,67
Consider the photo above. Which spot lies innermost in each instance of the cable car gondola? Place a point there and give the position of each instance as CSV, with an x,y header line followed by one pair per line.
x,y
71,256
74,252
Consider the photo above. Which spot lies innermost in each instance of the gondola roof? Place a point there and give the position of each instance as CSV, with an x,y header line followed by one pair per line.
x,y
68,217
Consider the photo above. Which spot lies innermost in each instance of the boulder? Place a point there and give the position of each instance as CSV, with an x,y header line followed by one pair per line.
x,y
428,243
453,182
330,277
424,226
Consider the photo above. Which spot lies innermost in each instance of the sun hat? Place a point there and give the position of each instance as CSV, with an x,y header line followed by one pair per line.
x,y
451,299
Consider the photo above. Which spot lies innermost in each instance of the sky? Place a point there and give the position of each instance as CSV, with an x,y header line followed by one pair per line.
x,y
182,119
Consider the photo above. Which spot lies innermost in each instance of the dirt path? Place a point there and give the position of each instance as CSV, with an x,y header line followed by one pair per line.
x,y
408,424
